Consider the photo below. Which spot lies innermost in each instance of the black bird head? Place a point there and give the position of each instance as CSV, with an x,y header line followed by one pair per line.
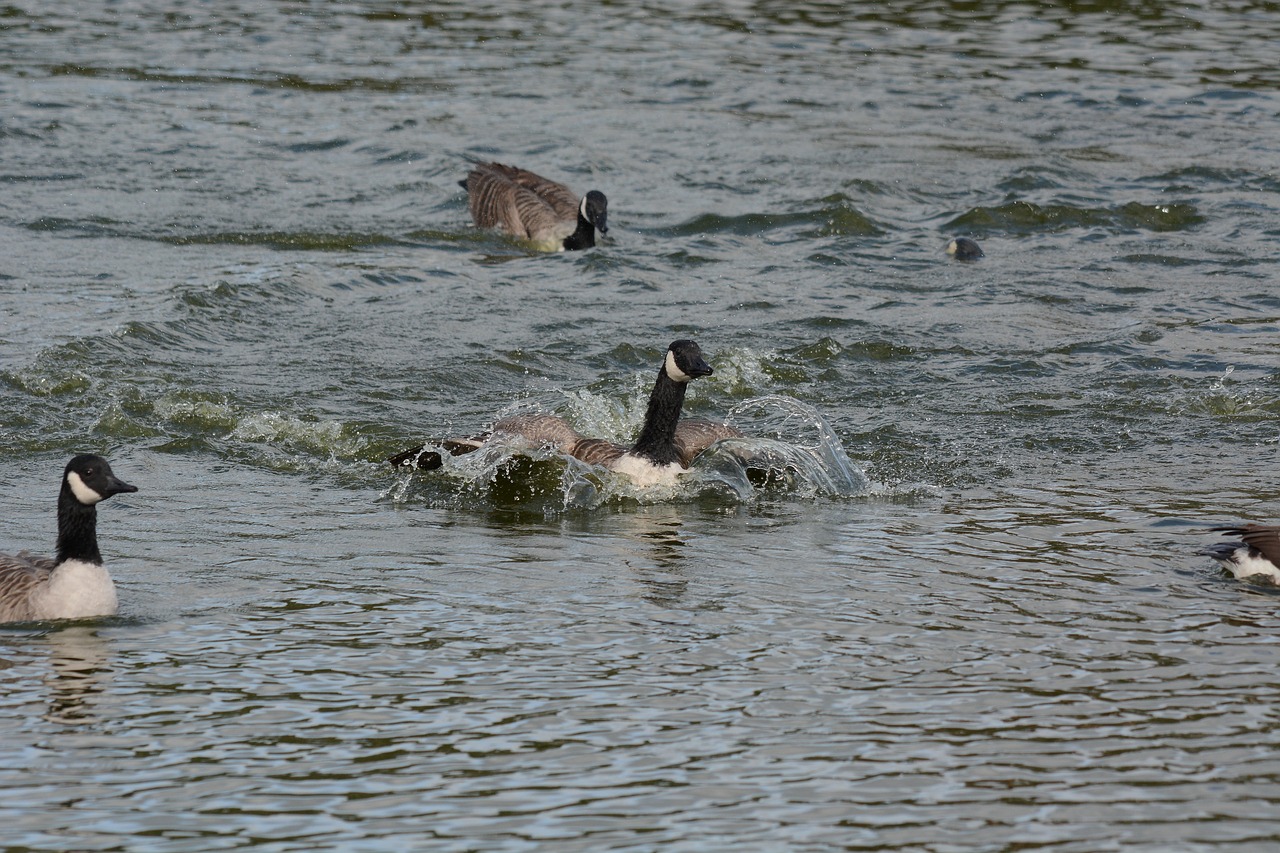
x,y
685,362
595,209
90,480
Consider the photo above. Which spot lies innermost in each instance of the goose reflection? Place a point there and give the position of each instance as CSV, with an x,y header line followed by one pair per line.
x,y
79,671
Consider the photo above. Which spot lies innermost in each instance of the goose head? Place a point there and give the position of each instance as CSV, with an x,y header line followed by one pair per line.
x,y
965,249
684,362
89,479
595,209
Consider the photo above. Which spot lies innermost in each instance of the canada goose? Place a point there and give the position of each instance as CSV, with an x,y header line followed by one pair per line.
x,y
664,449
534,208
75,584
1258,554
965,249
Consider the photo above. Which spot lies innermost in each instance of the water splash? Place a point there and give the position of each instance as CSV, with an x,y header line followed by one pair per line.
x,y
790,450
280,439
789,447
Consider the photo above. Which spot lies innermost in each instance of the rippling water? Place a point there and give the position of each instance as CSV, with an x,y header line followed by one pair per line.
x,y
235,259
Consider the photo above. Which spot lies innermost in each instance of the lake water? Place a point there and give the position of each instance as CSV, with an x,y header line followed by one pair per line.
x,y
234,259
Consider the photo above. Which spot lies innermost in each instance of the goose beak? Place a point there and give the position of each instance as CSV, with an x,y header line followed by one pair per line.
x,y
116,486
699,368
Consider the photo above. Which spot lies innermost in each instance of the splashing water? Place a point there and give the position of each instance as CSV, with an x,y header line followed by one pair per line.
x,y
789,449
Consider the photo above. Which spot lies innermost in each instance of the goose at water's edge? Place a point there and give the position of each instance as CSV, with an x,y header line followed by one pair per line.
x,y
534,208
74,584
1257,555
664,449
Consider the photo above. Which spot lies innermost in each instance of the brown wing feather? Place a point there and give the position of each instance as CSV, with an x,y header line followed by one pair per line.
x,y
20,575
597,451
492,199
537,429
694,436
511,199
552,431
561,199
540,429
1264,537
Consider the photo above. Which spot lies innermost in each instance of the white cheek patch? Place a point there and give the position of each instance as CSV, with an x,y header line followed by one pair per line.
x,y
675,372
83,493
582,208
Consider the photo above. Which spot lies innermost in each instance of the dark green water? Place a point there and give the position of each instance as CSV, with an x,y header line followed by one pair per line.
x,y
234,258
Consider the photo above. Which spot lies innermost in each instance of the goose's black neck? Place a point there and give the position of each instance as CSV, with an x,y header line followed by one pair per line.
x,y
77,529
657,440
584,237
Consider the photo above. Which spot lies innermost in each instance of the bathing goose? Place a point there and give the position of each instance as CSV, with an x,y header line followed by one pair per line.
x,y
534,208
1258,553
75,584
664,449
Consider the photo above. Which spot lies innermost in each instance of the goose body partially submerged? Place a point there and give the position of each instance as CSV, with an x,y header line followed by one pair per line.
x,y
533,208
663,450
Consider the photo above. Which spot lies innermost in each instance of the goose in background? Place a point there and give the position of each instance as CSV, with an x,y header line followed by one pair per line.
x,y
533,208
965,249
664,449
74,584
1257,555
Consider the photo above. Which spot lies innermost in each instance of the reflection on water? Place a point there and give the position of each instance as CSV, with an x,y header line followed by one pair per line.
x,y
79,672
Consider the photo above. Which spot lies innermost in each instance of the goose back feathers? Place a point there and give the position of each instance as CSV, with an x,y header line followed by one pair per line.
x,y
74,584
664,448
531,207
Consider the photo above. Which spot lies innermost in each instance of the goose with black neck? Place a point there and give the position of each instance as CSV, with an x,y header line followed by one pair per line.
x,y
663,450
74,584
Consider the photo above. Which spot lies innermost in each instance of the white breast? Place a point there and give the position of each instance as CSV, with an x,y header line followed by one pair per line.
x,y
644,472
75,590
1243,566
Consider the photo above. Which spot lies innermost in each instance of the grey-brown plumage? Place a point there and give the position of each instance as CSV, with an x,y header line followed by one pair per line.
x,y
691,438
73,584
22,576
534,208
665,443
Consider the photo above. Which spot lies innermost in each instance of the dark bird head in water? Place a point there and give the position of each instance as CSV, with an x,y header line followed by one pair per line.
x,y
595,209
685,362
964,249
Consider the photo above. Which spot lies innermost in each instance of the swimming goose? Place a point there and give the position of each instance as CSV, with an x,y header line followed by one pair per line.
x,y
664,449
1258,554
534,208
965,249
75,584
